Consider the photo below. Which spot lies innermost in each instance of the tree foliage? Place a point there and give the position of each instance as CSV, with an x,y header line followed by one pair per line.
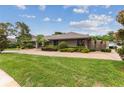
x,y
120,17
57,33
40,40
6,29
120,34
23,34
107,37
3,40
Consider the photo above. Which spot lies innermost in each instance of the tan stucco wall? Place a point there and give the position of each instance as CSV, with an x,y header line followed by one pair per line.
x,y
99,45
90,44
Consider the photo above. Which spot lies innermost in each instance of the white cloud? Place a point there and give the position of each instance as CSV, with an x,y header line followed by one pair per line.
x,y
78,8
100,19
59,20
83,24
81,9
101,29
23,7
28,16
42,7
46,19
93,23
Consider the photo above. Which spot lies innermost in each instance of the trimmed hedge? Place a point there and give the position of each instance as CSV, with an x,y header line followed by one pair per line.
x,y
106,50
68,50
85,50
49,48
79,48
82,50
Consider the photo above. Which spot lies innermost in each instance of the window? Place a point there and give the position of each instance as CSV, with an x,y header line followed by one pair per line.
x,y
80,42
55,42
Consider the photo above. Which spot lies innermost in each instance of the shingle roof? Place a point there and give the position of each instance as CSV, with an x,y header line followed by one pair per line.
x,y
70,35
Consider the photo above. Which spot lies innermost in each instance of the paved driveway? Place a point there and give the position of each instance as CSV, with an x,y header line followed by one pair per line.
x,y
97,55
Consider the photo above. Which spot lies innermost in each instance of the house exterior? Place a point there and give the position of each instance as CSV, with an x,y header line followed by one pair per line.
x,y
75,39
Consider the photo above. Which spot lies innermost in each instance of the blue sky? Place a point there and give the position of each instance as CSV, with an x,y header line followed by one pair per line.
x,y
93,20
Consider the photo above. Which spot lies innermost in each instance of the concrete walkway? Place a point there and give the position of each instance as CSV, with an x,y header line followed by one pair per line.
x,y
97,55
6,80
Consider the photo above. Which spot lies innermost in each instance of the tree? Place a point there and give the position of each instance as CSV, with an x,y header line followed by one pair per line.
x,y
23,34
6,29
40,40
120,17
111,36
108,37
57,33
120,33
3,40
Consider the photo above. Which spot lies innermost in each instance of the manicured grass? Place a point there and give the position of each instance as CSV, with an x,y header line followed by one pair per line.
x,y
32,70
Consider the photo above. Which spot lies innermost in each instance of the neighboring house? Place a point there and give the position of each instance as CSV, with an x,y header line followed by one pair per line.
x,y
75,39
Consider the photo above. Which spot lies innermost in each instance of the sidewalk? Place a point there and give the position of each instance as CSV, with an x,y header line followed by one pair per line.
x,y
7,81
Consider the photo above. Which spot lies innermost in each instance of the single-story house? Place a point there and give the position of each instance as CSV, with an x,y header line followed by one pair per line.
x,y
75,39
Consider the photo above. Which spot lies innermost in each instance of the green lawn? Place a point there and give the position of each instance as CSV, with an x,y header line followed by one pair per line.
x,y
32,70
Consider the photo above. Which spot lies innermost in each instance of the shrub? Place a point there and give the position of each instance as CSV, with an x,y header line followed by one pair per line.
x,y
79,48
29,45
105,50
68,50
62,45
49,48
12,45
85,50
121,50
